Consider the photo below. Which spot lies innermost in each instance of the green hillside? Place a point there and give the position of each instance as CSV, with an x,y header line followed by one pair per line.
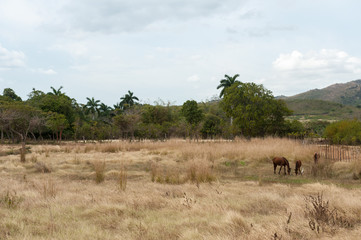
x,y
344,93
304,109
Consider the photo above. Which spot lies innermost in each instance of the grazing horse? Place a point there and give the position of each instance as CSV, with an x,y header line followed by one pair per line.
x,y
316,156
298,167
283,162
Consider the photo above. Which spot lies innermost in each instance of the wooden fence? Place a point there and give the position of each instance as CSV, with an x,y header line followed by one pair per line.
x,y
340,152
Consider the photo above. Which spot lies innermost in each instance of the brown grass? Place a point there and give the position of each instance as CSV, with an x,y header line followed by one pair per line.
x,y
99,168
172,190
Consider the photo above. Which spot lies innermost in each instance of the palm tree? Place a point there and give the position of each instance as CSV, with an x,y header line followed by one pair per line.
x,y
128,100
227,82
56,92
92,106
104,109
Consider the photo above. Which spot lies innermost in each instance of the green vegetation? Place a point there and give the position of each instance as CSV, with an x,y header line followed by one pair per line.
x,y
308,109
246,109
345,93
254,110
344,132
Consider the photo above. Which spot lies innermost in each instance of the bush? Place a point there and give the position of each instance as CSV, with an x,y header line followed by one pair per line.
x,y
322,217
344,132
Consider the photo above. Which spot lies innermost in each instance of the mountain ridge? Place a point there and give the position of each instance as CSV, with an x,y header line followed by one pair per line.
x,y
345,93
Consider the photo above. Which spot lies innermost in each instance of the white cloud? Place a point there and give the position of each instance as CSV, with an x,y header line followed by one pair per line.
x,y
20,12
194,78
111,16
11,59
325,60
45,71
74,49
313,69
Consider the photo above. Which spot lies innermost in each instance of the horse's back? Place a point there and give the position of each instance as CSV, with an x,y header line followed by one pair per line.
x,y
279,160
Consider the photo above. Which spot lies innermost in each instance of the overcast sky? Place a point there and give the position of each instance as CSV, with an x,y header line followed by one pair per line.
x,y
176,50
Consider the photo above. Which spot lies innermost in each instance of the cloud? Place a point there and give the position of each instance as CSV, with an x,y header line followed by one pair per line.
x,y
194,78
11,59
313,69
112,16
45,71
77,49
325,60
20,12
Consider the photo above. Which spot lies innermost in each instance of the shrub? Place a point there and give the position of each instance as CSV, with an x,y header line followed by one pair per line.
x,y
200,172
322,217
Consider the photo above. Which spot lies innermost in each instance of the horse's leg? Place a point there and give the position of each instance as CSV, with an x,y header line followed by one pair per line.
x,y
279,172
284,168
274,168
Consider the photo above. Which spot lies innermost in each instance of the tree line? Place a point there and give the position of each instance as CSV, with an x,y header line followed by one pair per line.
x,y
243,109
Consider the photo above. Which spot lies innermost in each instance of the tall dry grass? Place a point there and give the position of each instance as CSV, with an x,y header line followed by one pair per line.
x,y
66,203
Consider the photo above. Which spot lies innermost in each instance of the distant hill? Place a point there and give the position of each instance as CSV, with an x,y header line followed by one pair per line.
x,y
344,93
308,109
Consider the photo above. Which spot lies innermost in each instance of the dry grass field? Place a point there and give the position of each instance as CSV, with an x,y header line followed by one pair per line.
x,y
176,190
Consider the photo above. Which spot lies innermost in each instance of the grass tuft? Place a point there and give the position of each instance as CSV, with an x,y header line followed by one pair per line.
x,y
99,168
11,200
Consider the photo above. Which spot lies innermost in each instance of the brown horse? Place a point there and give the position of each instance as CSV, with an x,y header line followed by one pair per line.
x,y
316,156
283,162
298,167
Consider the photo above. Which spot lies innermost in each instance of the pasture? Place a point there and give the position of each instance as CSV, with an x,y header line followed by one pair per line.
x,y
177,190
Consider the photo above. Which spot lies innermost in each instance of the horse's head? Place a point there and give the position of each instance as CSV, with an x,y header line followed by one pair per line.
x,y
289,171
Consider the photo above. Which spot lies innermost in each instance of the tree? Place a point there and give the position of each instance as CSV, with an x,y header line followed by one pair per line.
x,y
20,119
254,109
57,123
344,132
53,103
92,106
192,114
226,83
128,100
126,124
8,92
211,126
56,92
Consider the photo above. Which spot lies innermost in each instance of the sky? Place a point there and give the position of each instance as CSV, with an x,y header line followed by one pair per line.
x,y
176,50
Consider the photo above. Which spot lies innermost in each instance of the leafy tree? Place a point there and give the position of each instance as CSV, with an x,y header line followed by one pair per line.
x,y
344,132
57,123
254,109
126,123
92,107
53,103
226,82
211,126
156,114
128,100
192,114
20,119
316,127
8,92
